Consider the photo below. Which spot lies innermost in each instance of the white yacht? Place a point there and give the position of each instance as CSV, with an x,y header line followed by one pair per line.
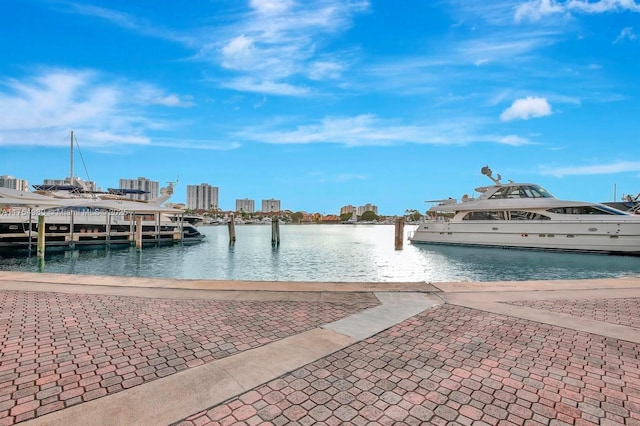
x,y
73,221
526,216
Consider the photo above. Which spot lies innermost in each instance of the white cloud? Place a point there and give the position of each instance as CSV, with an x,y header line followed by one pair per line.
x,y
57,100
524,109
279,40
271,6
535,10
627,33
369,130
247,84
596,169
514,140
321,70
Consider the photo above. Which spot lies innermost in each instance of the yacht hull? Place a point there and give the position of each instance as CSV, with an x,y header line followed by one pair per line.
x,y
64,232
585,236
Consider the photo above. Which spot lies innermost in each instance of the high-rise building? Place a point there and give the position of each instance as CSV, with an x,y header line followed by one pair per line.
x,y
347,209
14,183
150,188
367,208
202,197
245,206
86,185
270,206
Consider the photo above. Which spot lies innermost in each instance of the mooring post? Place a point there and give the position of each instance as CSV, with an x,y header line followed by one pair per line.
x,y
139,233
232,230
30,229
275,232
41,242
399,233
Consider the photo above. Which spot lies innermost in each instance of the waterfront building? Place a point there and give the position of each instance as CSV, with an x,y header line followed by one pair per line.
x,y
13,183
86,185
347,209
246,206
367,208
202,197
270,206
151,187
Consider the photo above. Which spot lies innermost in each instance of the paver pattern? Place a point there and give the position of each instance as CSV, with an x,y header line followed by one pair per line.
x,y
615,311
58,350
453,365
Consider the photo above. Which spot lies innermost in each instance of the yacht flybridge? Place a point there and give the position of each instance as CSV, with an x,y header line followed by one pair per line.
x,y
525,215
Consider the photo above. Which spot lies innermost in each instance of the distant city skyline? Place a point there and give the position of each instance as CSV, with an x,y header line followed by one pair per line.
x,y
328,103
203,196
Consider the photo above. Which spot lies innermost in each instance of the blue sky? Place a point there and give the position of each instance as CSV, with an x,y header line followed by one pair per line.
x,y
325,103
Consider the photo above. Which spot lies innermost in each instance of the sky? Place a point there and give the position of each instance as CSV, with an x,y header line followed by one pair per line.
x,y
325,103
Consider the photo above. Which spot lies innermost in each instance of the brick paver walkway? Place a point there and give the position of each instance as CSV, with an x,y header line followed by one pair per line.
x,y
453,365
58,350
615,311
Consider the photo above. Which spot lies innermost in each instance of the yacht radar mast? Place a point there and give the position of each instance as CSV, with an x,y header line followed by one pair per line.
x,y
488,173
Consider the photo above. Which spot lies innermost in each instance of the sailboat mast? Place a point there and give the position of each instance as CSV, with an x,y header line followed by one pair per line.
x,y
71,161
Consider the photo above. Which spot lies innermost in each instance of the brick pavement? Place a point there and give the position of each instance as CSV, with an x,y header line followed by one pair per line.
x,y
58,350
453,365
614,311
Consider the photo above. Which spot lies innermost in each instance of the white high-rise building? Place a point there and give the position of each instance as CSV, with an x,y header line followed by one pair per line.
x,y
270,206
202,197
347,209
14,183
150,188
367,208
86,185
245,206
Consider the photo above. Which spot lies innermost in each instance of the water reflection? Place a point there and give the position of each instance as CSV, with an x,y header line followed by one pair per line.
x,y
326,253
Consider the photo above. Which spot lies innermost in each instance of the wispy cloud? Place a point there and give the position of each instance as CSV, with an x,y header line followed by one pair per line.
x,y
627,33
278,40
104,112
268,49
534,10
369,130
524,109
127,21
250,84
596,169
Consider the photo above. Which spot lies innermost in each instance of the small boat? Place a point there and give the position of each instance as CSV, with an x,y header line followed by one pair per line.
x,y
527,216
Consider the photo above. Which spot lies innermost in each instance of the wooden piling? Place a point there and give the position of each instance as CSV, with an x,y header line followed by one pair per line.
x,y
399,237
30,230
275,232
72,241
232,230
139,233
41,237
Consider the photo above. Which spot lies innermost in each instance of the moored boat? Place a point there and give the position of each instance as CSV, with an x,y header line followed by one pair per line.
x,y
78,221
525,215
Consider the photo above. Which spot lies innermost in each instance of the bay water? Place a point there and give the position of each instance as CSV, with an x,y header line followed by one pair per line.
x,y
333,253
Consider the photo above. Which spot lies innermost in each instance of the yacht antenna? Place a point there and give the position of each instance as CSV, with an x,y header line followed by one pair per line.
x,y
487,172
71,161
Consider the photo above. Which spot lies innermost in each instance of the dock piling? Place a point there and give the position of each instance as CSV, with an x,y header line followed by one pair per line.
x,y
275,232
232,230
139,233
399,237
41,237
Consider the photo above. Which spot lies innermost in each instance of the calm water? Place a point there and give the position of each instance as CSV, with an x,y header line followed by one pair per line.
x,y
327,253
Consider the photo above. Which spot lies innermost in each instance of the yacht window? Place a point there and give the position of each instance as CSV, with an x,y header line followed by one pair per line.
x,y
484,215
522,215
584,210
522,191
